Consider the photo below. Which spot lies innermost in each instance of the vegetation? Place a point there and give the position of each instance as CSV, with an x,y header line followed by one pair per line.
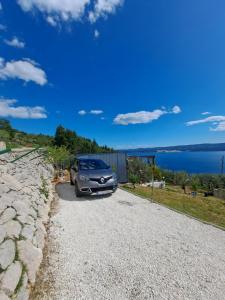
x,y
63,137
55,154
178,192
15,138
44,187
141,172
76,144
208,209
197,182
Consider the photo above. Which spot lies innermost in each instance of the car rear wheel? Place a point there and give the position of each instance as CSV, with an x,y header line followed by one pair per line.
x,y
77,192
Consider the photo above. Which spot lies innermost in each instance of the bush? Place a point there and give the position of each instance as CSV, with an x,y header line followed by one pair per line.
x,y
134,179
137,168
57,156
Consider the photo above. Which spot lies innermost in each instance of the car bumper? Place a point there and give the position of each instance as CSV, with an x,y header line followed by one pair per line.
x,y
94,188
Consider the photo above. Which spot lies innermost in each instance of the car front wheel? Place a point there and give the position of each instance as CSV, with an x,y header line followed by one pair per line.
x,y
77,192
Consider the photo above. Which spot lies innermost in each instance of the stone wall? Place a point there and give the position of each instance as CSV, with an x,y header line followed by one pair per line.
x,y
25,196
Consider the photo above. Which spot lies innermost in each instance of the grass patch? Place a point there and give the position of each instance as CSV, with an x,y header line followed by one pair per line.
x,y
208,209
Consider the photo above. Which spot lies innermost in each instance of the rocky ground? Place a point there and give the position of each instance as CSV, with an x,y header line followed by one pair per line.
x,y
25,197
125,247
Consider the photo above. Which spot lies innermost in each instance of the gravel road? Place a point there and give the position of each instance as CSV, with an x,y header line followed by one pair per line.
x,y
125,247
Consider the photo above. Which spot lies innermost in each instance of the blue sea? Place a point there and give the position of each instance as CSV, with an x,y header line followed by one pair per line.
x,y
191,162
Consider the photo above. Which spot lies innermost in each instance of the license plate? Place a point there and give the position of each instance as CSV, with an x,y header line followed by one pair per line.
x,y
102,193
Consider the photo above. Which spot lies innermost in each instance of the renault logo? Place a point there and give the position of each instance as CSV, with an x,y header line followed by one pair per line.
x,y
102,179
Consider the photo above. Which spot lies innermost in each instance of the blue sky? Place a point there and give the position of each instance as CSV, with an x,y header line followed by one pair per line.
x,y
127,73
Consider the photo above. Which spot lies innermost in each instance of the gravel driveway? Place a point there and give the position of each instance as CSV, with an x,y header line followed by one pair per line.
x,y
125,247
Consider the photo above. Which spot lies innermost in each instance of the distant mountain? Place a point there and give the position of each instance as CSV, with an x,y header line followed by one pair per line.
x,y
193,148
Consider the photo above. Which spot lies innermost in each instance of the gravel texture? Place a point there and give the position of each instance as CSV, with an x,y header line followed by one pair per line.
x,y
125,247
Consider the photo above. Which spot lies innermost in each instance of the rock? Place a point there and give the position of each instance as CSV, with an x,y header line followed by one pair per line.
x,y
31,257
11,278
33,213
43,213
28,232
39,238
4,189
40,225
2,234
7,215
3,296
6,200
22,207
12,183
13,229
27,190
7,253
23,293
23,212
26,219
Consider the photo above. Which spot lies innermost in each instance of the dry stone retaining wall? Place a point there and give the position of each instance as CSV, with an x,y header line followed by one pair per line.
x,y
25,196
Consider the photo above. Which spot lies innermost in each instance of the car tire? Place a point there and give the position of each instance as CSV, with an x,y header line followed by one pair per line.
x,y
77,192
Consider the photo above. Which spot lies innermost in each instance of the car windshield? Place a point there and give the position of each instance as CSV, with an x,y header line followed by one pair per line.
x,y
92,164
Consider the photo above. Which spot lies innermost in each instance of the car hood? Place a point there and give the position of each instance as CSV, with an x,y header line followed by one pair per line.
x,y
96,173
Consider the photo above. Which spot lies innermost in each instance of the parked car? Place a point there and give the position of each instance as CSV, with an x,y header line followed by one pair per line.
x,y
92,177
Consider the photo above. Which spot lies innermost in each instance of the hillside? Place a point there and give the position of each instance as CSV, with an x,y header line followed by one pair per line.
x,y
194,148
63,137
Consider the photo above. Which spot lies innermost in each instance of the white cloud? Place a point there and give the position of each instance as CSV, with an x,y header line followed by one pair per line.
x,y
206,120
217,121
104,7
15,42
91,112
59,11
138,117
206,113
9,109
51,21
25,69
65,10
219,127
82,112
143,117
96,112
176,109
96,33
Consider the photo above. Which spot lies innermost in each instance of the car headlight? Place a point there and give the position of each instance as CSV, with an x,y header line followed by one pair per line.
x,y
83,178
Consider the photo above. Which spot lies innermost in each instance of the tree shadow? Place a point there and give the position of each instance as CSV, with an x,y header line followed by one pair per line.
x,y
66,192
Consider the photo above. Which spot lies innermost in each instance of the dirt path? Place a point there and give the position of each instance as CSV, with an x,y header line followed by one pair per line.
x,y
124,247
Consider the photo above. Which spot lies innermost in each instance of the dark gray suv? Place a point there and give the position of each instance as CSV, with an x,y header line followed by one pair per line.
x,y
92,177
